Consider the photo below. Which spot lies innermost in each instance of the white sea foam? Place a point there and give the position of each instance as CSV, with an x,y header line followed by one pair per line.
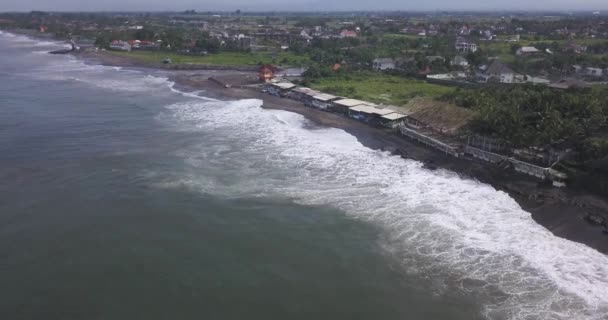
x,y
460,233
66,68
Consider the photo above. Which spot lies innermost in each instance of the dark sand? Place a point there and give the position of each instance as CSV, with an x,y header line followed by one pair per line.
x,y
562,211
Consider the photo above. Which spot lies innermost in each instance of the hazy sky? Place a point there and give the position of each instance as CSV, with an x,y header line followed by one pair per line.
x,y
311,5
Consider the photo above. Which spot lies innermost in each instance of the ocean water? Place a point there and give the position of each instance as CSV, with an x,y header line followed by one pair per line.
x,y
124,198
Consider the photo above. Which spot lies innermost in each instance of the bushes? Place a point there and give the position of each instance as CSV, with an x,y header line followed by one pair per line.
x,y
527,115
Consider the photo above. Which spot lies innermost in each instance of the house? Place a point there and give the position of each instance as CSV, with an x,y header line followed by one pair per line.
x,y
266,72
149,45
459,61
498,72
348,34
383,64
594,72
526,51
514,38
304,35
464,46
120,45
576,48
432,59
465,31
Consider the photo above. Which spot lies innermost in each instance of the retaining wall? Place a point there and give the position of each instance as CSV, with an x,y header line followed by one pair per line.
x,y
431,142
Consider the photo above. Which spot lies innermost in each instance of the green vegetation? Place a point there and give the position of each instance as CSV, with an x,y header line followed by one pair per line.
x,y
378,87
527,115
219,59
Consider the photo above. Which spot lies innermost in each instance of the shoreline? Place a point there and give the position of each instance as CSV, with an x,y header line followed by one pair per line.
x,y
557,210
561,211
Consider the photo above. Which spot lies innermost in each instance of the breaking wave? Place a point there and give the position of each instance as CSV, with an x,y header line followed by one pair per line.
x,y
463,235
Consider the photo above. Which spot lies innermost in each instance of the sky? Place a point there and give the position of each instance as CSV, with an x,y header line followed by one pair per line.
x,y
299,5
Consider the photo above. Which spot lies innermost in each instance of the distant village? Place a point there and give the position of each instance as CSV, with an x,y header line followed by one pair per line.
x,y
561,51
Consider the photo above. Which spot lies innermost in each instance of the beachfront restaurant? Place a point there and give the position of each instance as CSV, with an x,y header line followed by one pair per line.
x,y
279,89
342,106
392,120
369,113
303,94
323,101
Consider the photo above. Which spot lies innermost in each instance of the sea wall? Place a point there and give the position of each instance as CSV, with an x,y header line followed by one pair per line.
x,y
431,142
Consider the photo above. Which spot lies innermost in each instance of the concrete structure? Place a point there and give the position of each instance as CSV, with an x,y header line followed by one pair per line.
x,y
323,101
527,51
464,46
120,45
303,94
429,141
498,72
279,89
392,120
383,64
459,61
348,34
343,105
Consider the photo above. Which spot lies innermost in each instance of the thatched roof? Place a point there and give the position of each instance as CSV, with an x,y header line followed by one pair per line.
x,y
441,116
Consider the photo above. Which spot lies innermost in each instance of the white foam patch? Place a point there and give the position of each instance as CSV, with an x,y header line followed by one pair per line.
x,y
21,41
460,233
194,94
67,68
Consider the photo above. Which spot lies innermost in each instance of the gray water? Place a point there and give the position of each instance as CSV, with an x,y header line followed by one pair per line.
x,y
123,198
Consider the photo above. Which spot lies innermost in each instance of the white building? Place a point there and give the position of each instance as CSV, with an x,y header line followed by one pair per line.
x,y
459,62
464,46
120,45
527,51
383,64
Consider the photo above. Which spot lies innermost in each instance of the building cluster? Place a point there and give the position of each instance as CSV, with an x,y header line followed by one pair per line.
x,y
431,123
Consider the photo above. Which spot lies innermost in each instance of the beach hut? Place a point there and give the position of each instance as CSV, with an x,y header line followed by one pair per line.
x,y
369,113
343,105
303,94
323,101
392,120
280,89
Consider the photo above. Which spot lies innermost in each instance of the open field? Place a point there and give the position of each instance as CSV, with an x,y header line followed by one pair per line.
x,y
220,59
379,88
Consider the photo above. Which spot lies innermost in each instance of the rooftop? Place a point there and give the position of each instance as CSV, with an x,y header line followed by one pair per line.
x,y
393,116
325,97
351,102
439,115
284,85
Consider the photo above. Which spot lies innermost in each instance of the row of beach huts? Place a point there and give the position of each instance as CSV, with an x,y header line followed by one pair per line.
x,y
364,111
409,125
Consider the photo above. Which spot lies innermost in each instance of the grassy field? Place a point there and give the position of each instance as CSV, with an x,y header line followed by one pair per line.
x,y
219,59
500,49
379,88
